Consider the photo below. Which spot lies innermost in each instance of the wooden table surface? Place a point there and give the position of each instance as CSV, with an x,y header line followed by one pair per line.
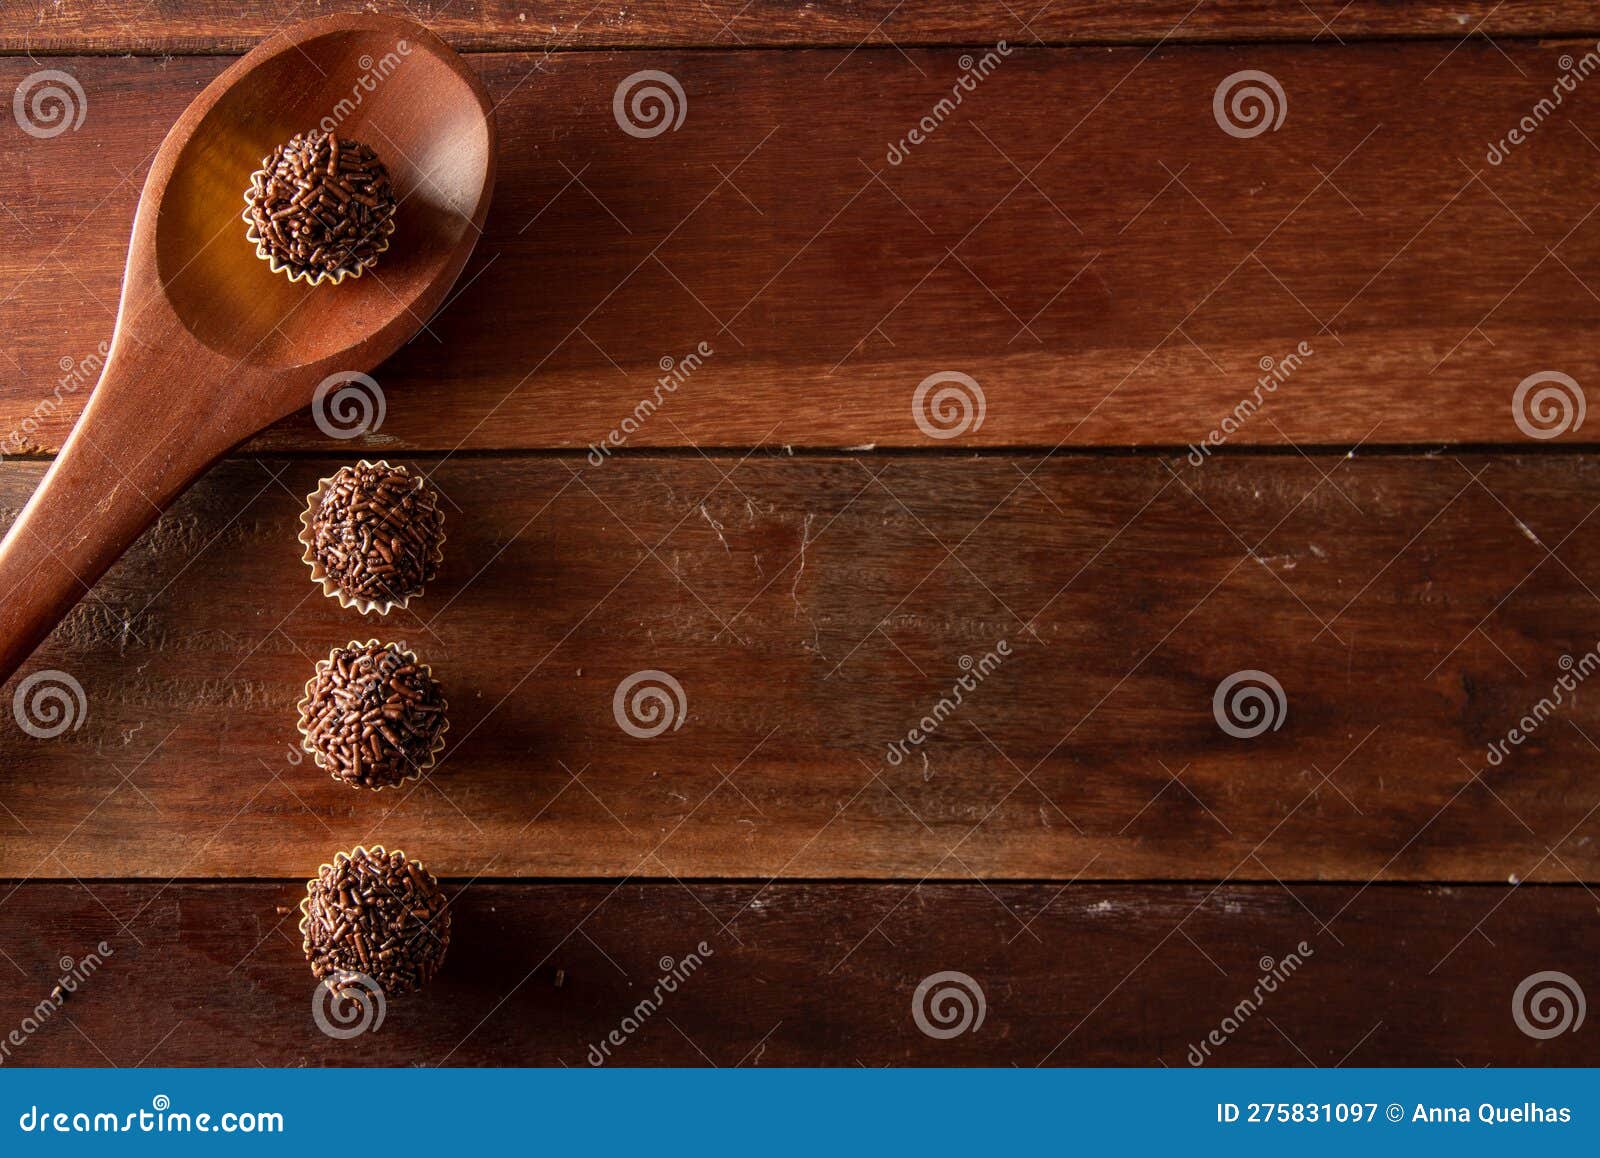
x,y
1381,306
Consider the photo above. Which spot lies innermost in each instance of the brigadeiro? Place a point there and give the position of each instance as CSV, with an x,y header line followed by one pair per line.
x,y
373,535
321,207
373,715
379,914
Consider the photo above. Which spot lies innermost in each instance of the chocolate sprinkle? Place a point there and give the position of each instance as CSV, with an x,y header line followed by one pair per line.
x,y
372,714
376,531
320,205
379,914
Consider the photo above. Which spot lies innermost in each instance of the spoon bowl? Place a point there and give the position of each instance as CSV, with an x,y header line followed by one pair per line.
x,y
211,345
437,152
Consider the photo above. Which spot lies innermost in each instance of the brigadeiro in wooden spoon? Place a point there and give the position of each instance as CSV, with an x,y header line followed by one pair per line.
x,y
320,208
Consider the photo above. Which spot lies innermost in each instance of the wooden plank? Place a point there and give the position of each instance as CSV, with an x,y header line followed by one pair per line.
x,y
819,974
815,610
1125,293
214,26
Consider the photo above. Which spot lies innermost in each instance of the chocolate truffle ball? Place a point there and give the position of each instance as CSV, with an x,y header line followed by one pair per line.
x,y
376,531
320,207
372,715
379,914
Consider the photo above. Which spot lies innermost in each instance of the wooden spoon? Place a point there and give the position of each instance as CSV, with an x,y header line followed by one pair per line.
x,y
210,344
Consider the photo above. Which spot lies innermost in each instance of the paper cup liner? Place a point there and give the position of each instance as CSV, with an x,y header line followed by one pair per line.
x,y
312,277
330,585
417,768
376,851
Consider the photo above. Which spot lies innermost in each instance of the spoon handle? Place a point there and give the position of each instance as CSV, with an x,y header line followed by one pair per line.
x,y
130,455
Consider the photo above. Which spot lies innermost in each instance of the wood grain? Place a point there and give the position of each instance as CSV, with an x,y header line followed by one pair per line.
x,y
1125,293
816,609
210,25
817,974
